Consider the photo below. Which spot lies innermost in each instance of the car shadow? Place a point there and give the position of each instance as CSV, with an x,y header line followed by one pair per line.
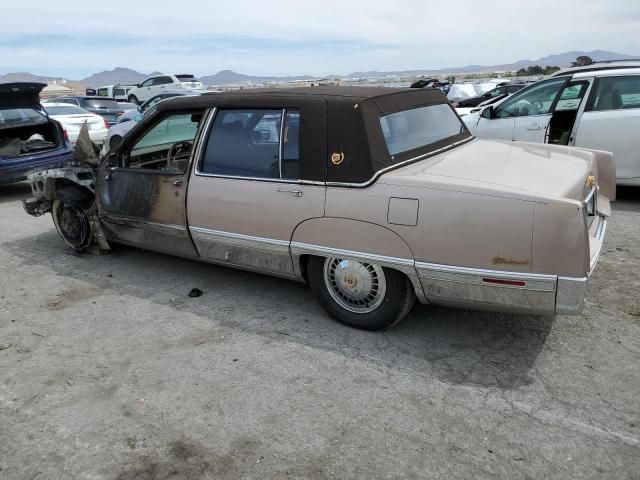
x,y
627,199
455,346
14,192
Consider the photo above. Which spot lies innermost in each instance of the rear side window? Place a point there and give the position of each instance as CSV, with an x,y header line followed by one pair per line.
x,y
162,81
187,78
615,93
254,143
419,127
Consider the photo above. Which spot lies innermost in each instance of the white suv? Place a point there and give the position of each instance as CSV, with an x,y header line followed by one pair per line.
x,y
596,107
158,83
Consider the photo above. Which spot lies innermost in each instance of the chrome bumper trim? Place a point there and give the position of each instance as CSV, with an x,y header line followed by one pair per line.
x,y
599,237
570,295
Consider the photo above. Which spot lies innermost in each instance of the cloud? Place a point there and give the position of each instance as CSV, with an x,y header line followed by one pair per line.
x,y
284,37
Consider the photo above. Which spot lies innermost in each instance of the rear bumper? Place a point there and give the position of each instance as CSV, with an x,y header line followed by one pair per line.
x,y
516,292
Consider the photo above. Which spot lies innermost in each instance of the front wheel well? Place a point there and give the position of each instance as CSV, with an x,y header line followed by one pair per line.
x,y
66,190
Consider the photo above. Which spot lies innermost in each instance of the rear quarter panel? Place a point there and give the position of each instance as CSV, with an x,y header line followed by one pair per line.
x,y
453,228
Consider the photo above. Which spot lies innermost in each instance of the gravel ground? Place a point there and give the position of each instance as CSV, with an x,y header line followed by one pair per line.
x,y
108,370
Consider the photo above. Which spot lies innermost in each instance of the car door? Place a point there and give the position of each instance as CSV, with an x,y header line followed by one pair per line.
x,y
260,174
533,108
142,186
522,112
611,122
145,92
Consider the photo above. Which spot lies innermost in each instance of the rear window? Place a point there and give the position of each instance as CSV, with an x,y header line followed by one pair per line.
x,y
187,78
65,110
19,116
419,127
99,103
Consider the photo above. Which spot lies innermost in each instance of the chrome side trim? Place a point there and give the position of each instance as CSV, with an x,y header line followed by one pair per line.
x,y
525,276
266,255
240,236
570,295
405,265
401,164
468,288
168,228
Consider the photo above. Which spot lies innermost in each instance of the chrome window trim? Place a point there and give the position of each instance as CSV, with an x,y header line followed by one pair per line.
x,y
281,141
199,158
424,156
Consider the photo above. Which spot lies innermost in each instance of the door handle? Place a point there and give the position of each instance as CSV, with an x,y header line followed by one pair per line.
x,y
176,183
535,126
297,193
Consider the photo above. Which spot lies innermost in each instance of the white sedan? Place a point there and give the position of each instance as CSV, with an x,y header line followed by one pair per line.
x,y
73,117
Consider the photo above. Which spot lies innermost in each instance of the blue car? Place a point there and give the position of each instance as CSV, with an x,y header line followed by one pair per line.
x,y
29,139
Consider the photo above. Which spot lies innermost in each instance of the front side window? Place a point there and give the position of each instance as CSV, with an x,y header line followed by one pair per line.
x,y
147,83
166,146
617,92
419,127
535,100
252,143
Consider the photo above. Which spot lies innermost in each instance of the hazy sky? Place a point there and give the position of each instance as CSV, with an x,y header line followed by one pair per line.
x,y
74,38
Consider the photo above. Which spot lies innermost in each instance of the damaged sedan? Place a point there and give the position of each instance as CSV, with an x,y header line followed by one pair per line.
x,y
29,138
374,197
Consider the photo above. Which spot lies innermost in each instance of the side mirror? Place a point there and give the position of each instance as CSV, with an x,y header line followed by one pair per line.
x,y
488,112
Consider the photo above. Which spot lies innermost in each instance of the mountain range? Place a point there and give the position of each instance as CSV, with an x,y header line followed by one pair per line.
x,y
129,76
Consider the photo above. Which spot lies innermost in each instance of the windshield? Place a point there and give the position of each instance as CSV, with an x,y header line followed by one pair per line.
x,y
419,127
19,116
100,103
65,110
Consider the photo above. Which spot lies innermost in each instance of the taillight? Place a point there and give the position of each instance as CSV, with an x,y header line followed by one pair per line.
x,y
106,125
65,134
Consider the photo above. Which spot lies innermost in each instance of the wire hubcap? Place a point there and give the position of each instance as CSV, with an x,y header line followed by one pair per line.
x,y
357,286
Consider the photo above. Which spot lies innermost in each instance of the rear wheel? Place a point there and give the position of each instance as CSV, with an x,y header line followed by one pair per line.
x,y
72,224
133,99
360,294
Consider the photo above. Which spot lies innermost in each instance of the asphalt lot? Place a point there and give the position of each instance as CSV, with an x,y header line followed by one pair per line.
x,y
108,370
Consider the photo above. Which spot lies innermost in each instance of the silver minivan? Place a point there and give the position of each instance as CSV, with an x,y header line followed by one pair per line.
x,y
596,108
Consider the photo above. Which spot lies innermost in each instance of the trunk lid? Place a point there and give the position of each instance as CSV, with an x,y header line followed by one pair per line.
x,y
506,168
20,94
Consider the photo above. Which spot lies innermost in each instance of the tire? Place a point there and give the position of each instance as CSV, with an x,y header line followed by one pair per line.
x,y
114,142
72,224
133,99
341,285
